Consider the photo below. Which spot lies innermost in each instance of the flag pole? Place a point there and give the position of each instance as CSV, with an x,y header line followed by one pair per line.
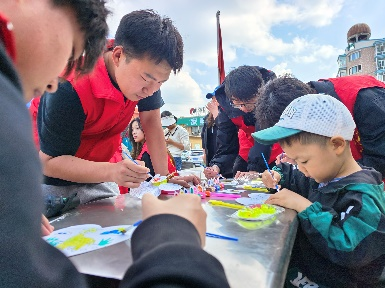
x,y
221,64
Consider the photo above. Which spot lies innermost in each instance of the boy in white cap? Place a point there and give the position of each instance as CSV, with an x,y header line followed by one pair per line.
x,y
340,205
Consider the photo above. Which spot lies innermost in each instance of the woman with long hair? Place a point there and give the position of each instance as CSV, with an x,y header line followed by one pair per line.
x,y
139,147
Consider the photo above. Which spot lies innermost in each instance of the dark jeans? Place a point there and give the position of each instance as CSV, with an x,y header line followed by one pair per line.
x,y
178,163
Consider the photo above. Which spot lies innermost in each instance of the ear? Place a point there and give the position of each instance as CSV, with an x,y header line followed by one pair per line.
x,y
118,55
338,144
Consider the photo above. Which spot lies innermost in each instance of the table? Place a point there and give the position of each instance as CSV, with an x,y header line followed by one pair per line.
x,y
259,259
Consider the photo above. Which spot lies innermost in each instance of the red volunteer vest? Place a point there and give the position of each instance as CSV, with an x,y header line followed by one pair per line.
x,y
246,141
107,114
171,166
347,89
7,37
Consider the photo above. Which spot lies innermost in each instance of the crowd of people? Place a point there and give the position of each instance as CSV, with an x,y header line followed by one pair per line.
x,y
324,141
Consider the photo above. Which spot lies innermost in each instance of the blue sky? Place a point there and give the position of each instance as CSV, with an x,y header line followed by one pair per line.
x,y
301,37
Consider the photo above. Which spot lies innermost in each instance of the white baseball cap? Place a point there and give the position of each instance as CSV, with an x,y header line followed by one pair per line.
x,y
168,120
315,113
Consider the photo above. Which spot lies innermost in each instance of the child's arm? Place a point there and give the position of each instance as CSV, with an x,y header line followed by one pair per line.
x,y
289,199
353,236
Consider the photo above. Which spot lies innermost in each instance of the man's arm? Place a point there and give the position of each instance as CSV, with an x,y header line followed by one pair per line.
x,y
156,143
71,168
60,122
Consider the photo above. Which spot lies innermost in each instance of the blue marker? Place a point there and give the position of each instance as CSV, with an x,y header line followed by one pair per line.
x,y
268,169
221,236
137,223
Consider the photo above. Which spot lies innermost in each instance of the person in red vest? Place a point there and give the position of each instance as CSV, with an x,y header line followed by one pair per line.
x,y
363,95
140,148
237,97
141,153
80,124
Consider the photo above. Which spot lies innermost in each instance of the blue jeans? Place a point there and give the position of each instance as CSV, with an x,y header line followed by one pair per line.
x,y
178,163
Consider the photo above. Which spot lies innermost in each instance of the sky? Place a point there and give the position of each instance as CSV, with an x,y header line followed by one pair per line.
x,y
301,37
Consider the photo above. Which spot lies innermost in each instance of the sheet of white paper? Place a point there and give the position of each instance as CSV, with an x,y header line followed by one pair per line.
x,y
145,187
80,239
254,198
170,187
262,196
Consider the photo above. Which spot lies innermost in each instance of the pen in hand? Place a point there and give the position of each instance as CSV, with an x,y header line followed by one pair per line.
x,y
268,169
129,157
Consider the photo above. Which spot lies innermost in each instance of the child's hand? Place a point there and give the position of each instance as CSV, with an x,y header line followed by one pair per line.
x,y
289,199
188,206
211,172
246,175
183,180
270,179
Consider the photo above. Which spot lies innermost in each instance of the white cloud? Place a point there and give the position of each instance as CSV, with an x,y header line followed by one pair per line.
x,y
181,93
200,72
297,36
281,69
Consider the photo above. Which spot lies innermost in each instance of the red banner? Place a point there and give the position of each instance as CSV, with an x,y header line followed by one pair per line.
x,y
221,64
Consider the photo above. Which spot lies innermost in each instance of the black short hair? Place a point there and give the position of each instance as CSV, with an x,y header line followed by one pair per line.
x,y
275,96
91,15
167,113
243,83
304,138
145,33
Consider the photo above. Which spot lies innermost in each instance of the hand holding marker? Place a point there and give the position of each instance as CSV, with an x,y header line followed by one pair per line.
x,y
268,169
129,157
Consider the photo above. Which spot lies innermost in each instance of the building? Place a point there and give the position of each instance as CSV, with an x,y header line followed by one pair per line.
x,y
363,56
194,127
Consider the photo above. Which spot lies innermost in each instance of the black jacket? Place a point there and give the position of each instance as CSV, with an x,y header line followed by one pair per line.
x,y
341,238
227,138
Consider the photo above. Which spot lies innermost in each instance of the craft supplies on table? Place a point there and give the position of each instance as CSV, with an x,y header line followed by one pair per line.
x,y
225,204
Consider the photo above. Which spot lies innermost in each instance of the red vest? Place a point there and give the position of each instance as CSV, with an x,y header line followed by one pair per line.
x,y
347,89
246,141
7,37
171,166
33,108
107,114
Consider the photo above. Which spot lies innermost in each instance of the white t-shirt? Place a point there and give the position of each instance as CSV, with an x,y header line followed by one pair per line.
x,y
180,135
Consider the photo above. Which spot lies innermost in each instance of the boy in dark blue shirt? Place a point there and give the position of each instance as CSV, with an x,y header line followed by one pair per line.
x,y
340,205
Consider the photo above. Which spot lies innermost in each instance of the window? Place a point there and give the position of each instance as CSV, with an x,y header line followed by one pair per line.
x,y
355,69
381,77
380,64
196,130
342,62
354,56
380,49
